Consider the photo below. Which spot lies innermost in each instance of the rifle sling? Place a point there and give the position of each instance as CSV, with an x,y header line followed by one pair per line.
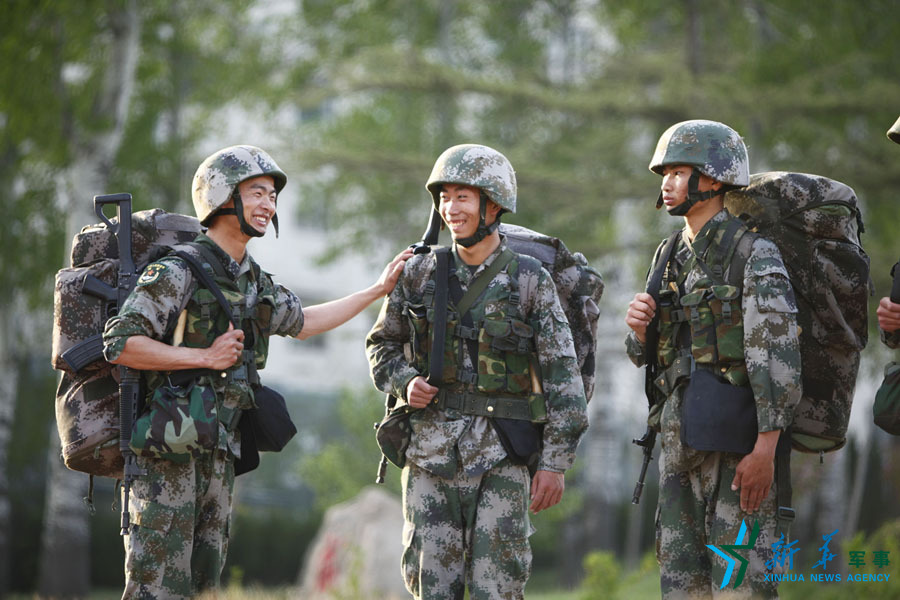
x,y
436,355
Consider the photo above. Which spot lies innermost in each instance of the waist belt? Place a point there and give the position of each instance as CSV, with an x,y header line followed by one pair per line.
x,y
471,403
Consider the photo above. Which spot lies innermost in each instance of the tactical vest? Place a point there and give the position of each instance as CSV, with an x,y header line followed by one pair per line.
x,y
204,321
502,341
707,323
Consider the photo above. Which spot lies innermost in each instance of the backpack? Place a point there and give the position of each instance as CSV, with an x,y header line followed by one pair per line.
x,y
816,223
578,285
85,296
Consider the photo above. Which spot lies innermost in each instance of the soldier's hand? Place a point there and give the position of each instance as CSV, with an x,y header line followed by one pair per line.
x,y
392,272
546,490
640,313
419,392
756,472
888,315
226,349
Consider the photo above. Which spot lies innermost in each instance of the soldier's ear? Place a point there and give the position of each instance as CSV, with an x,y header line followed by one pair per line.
x,y
492,208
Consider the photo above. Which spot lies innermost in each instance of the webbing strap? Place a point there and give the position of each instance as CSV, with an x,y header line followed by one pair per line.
x,y
436,355
784,514
653,286
208,282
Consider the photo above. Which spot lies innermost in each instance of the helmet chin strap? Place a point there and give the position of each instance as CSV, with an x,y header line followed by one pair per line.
x,y
483,230
694,195
238,211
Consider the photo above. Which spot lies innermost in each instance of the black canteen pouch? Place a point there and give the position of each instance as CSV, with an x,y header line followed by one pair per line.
x,y
718,416
522,440
267,428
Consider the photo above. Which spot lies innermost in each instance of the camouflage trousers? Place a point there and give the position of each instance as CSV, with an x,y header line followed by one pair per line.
x,y
181,516
698,507
466,530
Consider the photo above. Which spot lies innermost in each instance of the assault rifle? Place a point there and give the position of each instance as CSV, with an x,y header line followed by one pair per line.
x,y
129,379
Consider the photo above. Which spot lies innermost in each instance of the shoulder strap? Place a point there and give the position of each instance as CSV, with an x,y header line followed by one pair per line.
x,y
439,327
653,283
207,281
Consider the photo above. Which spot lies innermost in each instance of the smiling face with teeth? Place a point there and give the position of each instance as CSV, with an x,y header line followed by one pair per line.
x,y
260,201
459,206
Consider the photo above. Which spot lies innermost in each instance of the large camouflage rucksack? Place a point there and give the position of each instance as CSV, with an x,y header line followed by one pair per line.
x,y
87,399
578,285
816,223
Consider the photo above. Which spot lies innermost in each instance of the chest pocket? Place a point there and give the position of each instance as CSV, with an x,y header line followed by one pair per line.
x,y
717,331
505,347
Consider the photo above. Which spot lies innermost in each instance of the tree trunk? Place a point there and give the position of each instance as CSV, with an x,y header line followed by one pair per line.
x,y
8,385
66,540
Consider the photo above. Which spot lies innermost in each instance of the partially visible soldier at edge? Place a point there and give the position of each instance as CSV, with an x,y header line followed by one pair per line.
x,y
889,312
182,511
466,491
705,495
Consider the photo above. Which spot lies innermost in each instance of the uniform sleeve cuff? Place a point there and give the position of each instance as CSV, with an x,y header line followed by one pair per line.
x,y
401,381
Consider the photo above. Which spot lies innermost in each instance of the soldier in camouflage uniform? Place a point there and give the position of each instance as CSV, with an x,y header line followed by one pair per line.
x,y
466,491
181,508
889,312
705,495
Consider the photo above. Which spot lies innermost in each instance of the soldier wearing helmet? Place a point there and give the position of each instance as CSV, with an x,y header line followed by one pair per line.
x,y
495,427
724,324
888,311
173,330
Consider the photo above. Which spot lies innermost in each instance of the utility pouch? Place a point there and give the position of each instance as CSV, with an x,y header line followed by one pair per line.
x,y
180,422
886,409
522,440
717,416
270,420
266,428
394,433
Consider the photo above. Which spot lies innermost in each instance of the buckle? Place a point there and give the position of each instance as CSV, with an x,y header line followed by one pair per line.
x,y
785,513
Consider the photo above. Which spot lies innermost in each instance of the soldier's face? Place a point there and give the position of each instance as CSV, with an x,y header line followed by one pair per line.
x,y
459,207
675,185
259,198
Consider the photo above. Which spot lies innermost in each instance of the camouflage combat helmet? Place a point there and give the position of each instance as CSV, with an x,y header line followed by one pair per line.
x,y
477,166
711,148
894,132
217,178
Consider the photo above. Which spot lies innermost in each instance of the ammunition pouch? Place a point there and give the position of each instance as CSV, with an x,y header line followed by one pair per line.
x,y
717,416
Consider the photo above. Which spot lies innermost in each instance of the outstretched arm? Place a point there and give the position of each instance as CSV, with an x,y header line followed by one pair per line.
x,y
325,317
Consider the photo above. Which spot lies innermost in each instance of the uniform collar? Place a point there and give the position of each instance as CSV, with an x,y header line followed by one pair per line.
x,y
707,234
466,275
232,267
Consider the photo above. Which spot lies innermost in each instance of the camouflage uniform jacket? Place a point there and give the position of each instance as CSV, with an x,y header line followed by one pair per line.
x,y
770,338
444,439
168,286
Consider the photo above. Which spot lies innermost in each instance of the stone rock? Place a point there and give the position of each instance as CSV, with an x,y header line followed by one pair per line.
x,y
356,553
